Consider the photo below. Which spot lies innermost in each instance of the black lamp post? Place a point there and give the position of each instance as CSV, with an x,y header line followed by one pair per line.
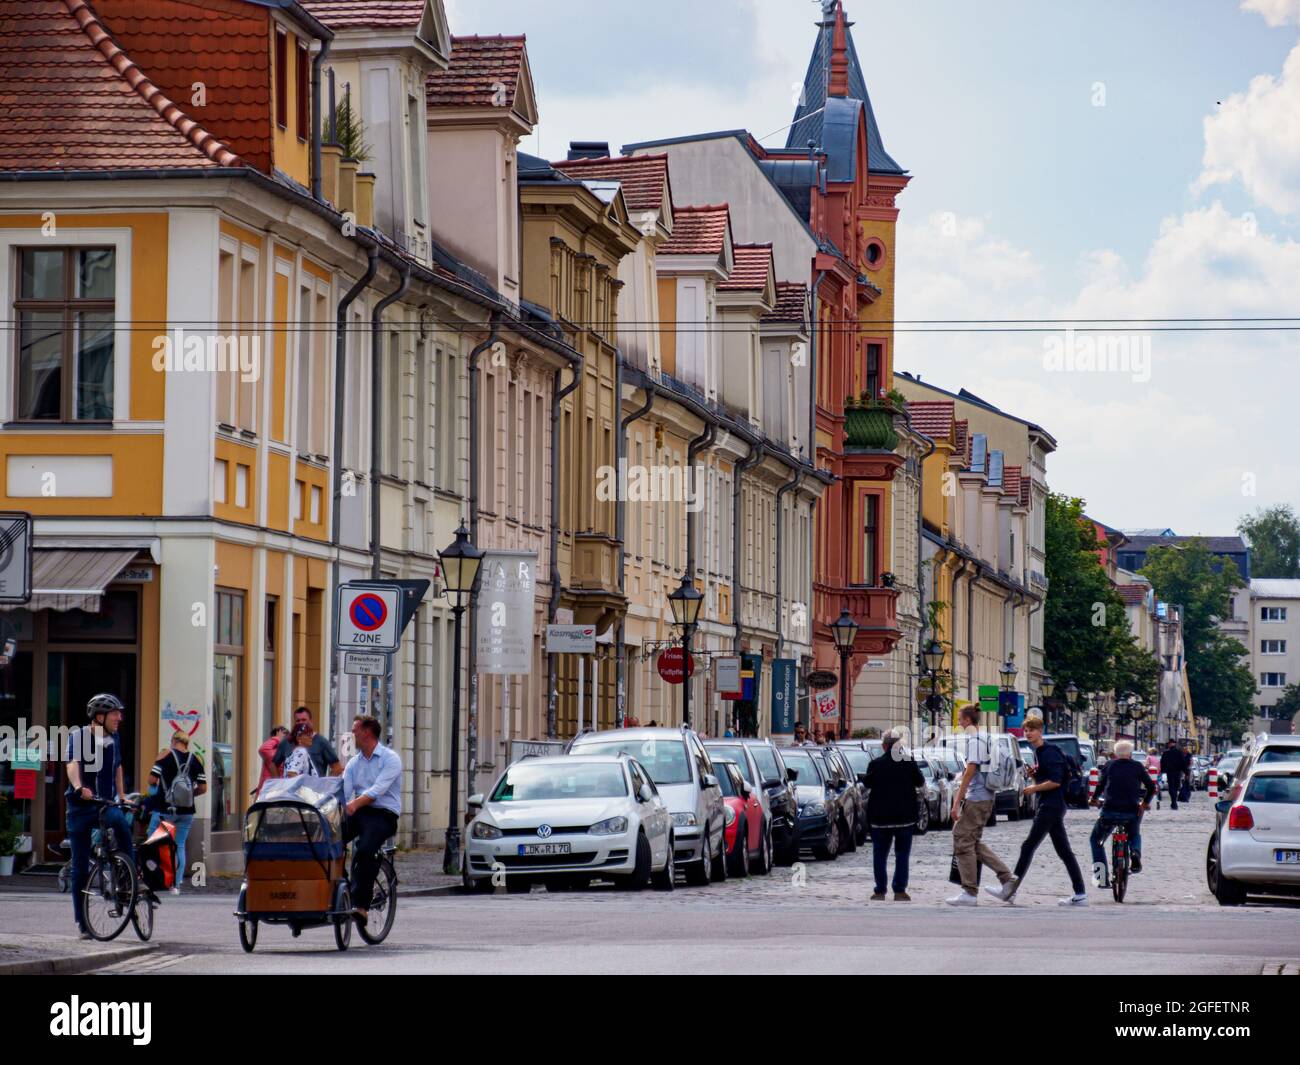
x,y
844,631
1071,697
685,603
1098,705
1007,676
460,565
932,660
1048,687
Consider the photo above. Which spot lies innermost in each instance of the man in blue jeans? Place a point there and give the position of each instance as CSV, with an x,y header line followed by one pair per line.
x,y
94,767
1123,792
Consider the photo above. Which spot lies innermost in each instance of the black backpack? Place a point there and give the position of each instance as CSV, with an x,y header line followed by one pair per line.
x,y
1073,782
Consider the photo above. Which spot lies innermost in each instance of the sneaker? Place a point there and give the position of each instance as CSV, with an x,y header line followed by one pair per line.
x,y
84,934
1074,900
902,896
879,896
962,898
1135,864
174,890
1005,891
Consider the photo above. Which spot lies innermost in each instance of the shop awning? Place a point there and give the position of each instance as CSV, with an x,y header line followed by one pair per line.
x,y
65,579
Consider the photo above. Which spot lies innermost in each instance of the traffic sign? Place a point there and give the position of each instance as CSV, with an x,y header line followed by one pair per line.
x,y
365,663
372,615
15,558
670,665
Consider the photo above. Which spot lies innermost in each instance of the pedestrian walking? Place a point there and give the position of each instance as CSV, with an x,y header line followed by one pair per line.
x,y
266,753
321,751
372,784
1050,775
176,780
1171,765
970,812
892,810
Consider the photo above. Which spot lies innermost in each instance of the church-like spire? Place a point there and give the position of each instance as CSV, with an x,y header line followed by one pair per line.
x,y
838,84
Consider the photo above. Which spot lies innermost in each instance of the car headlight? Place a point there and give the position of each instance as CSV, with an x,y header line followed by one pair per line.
x,y
684,820
611,826
812,809
728,815
482,830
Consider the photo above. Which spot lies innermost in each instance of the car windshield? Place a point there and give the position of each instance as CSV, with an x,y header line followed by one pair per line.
x,y
725,784
574,780
875,750
1069,745
947,757
857,758
730,753
1271,788
800,760
664,759
1279,754
766,759
1229,765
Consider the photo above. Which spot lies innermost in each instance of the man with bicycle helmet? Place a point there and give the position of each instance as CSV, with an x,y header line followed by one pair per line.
x,y
94,768
1124,792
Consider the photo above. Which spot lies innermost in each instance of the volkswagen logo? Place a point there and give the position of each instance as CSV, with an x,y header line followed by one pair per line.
x,y
543,831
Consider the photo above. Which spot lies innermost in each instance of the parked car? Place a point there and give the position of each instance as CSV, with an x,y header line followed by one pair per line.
x,y
1227,769
1200,773
1255,846
952,765
934,795
782,803
746,755
842,779
748,847
568,820
680,768
859,754
857,790
1087,755
1266,750
1010,801
821,814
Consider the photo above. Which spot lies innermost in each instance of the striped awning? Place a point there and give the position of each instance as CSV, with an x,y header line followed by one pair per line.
x,y
68,579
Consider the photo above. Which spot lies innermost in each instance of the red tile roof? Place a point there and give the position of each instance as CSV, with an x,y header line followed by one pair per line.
x,y
367,14
73,100
963,455
644,177
934,418
749,273
791,303
698,230
1132,594
478,65
1011,482
219,43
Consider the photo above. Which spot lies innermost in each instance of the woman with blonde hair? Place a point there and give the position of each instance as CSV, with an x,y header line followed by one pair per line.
x,y
175,781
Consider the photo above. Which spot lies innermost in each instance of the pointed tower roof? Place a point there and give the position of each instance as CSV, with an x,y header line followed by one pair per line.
x,y
835,73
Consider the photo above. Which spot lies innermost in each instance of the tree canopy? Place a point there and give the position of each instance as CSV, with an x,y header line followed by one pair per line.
x,y
1273,534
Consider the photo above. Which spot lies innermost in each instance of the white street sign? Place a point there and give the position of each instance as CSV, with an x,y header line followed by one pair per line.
x,y
365,664
367,618
726,675
15,558
571,639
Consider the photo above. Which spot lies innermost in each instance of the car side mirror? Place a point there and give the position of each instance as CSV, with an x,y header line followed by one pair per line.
x,y
1223,806
745,789
771,783
708,781
645,794
475,800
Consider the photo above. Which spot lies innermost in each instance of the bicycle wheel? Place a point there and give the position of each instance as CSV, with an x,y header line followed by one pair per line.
x,y
1119,871
110,896
142,915
383,906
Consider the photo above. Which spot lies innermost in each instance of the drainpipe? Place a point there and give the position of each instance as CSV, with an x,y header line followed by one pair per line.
x,y
340,382
780,555
621,445
376,410
1029,633
552,663
957,575
701,443
316,65
812,373
970,630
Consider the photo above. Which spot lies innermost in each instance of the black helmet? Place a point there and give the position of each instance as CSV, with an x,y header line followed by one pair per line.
x,y
103,704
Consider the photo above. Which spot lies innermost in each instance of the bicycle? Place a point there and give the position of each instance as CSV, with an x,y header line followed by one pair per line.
x,y
383,900
1120,859
114,890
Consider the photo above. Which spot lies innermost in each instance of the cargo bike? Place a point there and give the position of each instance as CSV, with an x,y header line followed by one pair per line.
x,y
295,870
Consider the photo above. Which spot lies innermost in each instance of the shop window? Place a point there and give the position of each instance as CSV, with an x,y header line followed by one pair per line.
x,y
227,709
64,313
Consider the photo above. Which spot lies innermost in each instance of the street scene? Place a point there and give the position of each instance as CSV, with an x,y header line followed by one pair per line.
x,y
490,487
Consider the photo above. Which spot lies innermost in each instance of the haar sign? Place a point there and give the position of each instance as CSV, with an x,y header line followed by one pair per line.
x,y
505,613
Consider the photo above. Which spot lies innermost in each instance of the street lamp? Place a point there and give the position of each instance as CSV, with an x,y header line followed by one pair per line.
x,y
1098,705
685,603
1071,696
1047,686
932,663
1007,674
845,632
460,565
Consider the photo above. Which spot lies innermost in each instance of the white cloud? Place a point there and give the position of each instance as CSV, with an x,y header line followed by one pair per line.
x,y
1275,12
1255,139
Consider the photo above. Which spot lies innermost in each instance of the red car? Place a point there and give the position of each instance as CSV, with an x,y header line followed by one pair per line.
x,y
743,813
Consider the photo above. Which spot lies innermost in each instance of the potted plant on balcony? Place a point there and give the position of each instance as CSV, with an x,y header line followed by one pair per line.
x,y
869,423
887,579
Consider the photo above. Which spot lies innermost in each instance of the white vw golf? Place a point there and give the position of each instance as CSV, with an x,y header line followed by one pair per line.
x,y
569,820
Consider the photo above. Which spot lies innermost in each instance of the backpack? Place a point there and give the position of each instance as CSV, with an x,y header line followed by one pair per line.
x,y
1072,783
180,792
1003,768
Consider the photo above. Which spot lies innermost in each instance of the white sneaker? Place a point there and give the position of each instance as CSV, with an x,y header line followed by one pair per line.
x,y
174,890
1004,892
1073,900
963,899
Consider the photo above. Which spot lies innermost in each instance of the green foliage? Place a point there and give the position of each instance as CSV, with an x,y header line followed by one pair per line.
x,y
1273,534
10,829
350,131
1288,704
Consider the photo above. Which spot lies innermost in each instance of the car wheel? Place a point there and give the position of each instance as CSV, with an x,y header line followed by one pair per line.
x,y
765,852
830,850
923,819
739,858
860,833
720,863
664,879
640,875
1228,892
700,873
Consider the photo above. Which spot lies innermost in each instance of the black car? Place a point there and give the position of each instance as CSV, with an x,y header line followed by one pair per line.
x,y
853,798
760,764
856,776
823,816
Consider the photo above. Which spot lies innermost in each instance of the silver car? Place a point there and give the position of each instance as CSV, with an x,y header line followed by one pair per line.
x,y
568,821
680,768
1255,847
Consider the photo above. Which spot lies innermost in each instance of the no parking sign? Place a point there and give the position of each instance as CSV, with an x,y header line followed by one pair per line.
x,y
368,618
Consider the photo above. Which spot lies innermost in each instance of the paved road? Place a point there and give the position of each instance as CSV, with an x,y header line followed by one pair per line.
x,y
800,919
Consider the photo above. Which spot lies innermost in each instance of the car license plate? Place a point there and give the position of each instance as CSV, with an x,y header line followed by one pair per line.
x,y
1287,857
544,848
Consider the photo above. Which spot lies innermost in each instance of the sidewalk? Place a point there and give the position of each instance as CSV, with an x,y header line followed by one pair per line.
x,y
47,955
419,874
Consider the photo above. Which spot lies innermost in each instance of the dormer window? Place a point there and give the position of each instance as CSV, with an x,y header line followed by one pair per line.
x,y
281,79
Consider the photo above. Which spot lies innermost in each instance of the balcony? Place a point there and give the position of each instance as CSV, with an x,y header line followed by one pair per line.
x,y
874,609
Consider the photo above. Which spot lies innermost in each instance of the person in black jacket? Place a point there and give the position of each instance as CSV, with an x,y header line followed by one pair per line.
x,y
1124,793
1171,765
892,811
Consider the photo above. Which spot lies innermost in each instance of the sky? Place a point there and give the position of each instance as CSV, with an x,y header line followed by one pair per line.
x,y
1116,159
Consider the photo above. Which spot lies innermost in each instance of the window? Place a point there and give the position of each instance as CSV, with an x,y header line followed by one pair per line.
x,y
220,471
268,665
1272,680
872,376
228,702
394,406
241,485
1272,647
281,79
299,490
513,443
870,537
1272,613
65,334
237,315
420,469
304,93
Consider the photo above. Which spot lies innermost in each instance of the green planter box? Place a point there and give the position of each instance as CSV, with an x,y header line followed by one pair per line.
x,y
871,428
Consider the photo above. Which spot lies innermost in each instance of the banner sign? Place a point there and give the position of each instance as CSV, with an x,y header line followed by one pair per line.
x,y
505,613
571,639
669,665
784,708
826,705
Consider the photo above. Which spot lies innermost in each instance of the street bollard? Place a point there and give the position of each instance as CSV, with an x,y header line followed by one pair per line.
x,y
1214,784
1093,774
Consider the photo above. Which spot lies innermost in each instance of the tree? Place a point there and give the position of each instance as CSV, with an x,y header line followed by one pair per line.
x,y
1085,625
1136,671
1188,575
1273,534
349,130
1288,703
